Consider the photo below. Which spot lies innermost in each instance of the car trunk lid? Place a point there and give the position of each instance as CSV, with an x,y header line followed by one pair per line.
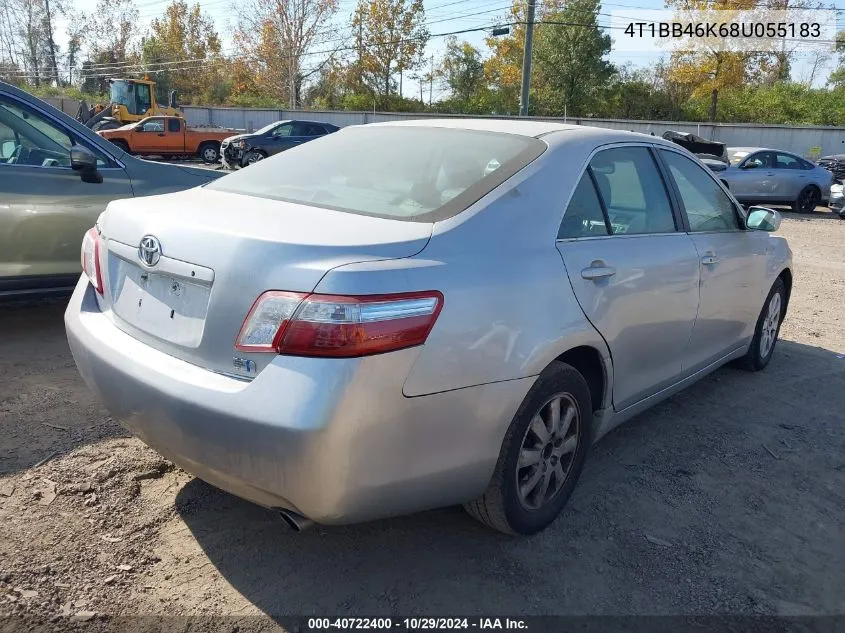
x,y
183,270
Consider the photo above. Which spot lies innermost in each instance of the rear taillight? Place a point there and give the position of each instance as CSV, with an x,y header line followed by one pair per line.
x,y
91,259
338,326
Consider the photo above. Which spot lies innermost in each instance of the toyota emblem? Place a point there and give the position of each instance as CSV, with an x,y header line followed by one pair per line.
x,y
149,250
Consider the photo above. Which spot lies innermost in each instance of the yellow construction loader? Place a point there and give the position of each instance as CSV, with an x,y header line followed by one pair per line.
x,y
130,100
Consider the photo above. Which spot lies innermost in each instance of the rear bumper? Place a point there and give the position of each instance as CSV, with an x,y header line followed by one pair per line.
x,y
332,439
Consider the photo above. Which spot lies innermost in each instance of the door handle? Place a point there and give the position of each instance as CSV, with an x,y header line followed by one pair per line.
x,y
161,134
770,173
597,270
709,259
296,142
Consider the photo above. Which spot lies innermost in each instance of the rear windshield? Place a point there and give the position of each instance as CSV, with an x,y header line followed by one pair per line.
x,y
420,174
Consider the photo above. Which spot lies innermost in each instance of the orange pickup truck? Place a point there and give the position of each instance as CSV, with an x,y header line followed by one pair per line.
x,y
168,136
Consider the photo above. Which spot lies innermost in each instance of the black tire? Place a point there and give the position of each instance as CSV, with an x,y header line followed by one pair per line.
x,y
251,157
754,359
209,153
123,145
807,201
502,507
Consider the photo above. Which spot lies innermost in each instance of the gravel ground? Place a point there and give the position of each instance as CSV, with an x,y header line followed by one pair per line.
x,y
727,499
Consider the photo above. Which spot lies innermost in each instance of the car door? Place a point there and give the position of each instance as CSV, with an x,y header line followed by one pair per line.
x,y
148,135
732,262
280,138
634,273
45,207
753,179
790,176
174,136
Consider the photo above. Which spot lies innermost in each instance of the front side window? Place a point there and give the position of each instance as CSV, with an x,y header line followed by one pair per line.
x,y
152,125
285,129
707,206
632,190
414,173
29,138
142,92
760,160
583,217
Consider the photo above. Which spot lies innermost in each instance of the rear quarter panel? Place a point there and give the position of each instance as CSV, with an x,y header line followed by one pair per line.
x,y
508,308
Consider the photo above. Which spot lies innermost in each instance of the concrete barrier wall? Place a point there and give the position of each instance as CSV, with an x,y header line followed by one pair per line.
x,y
804,140
65,104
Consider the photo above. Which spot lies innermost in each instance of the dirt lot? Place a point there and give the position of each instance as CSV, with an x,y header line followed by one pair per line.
x,y
729,498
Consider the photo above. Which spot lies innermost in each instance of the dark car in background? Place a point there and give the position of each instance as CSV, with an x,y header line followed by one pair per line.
x,y
835,164
246,149
56,178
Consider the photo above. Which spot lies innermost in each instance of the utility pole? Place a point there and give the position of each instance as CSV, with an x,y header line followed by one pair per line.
x,y
431,82
526,60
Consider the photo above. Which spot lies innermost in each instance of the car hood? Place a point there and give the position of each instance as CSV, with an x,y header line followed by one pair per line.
x,y
238,137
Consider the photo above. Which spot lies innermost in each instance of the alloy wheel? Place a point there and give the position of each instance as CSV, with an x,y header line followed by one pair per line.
x,y
769,333
547,451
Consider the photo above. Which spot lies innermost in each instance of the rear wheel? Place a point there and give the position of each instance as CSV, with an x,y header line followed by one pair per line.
x,y
252,157
768,327
209,153
541,456
807,200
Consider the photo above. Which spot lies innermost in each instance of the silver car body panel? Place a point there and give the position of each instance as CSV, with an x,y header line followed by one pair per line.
x,y
772,185
343,440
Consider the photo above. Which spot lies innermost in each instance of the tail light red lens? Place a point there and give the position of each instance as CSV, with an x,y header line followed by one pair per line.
x,y
91,259
338,326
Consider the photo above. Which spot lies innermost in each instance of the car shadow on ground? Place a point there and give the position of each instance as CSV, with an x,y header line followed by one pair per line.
x,y
704,504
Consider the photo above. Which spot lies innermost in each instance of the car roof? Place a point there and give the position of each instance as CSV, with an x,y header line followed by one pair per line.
x,y
531,128
759,149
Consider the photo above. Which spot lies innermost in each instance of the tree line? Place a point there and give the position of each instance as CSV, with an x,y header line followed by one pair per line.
x,y
304,54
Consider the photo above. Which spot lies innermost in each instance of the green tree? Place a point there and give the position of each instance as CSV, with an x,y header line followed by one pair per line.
x,y
391,37
183,50
463,70
571,69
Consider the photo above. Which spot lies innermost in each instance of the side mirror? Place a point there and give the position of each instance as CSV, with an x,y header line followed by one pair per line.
x,y
751,165
84,161
763,219
7,148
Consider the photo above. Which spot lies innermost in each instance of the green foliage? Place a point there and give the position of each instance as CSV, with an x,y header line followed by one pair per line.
x,y
570,64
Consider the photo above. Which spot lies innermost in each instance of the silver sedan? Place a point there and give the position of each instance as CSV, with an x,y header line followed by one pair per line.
x,y
757,175
398,317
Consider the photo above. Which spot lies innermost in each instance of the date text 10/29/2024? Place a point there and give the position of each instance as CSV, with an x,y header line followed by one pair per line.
x,y
416,624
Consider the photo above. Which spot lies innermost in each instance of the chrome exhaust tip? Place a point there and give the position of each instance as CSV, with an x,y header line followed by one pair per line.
x,y
296,522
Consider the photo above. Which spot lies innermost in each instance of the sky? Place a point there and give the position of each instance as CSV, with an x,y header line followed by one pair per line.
x,y
442,16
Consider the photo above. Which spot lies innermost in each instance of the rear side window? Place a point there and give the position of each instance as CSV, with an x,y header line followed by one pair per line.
x,y
420,174
633,191
174,125
310,129
583,217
